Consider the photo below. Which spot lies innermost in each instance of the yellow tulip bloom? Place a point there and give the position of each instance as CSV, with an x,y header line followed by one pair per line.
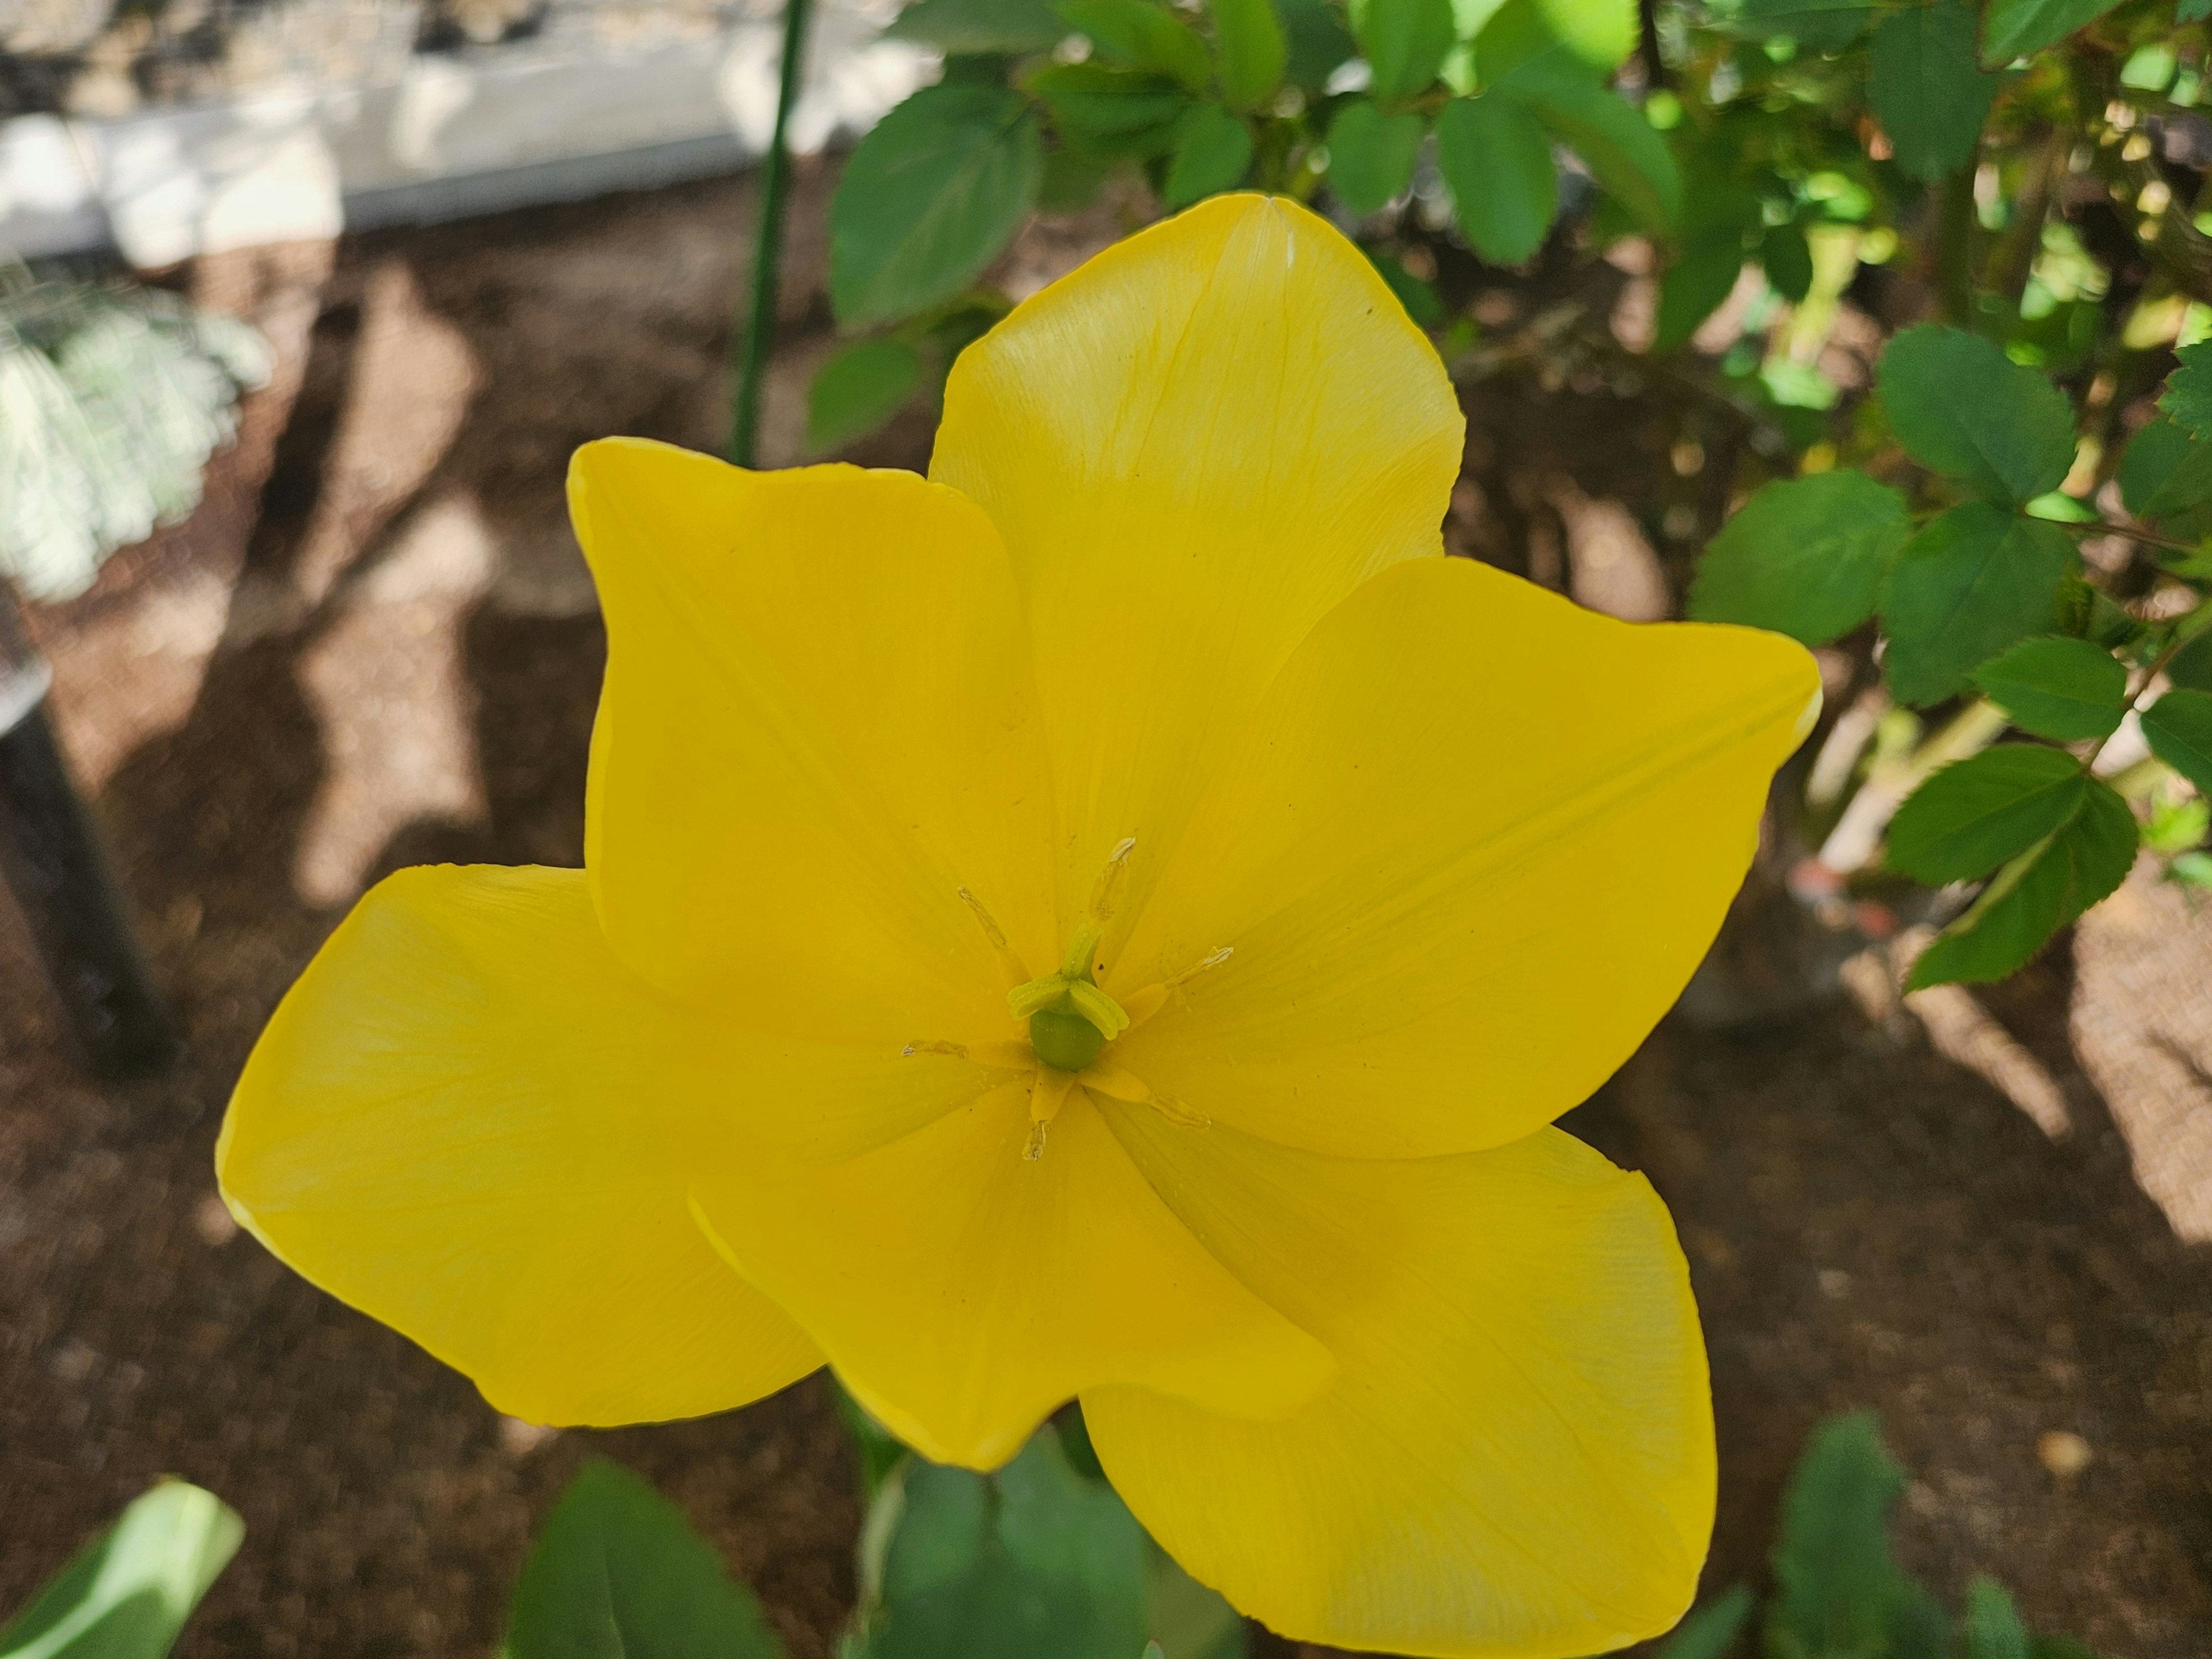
x,y
1112,920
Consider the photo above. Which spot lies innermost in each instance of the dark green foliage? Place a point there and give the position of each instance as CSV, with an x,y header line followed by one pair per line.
x,y
1787,258
1618,146
2178,727
1142,34
1965,409
1710,1632
1975,814
1992,1628
1252,49
860,388
1927,88
2165,471
1212,151
127,1594
932,195
1404,42
1371,153
2064,688
1838,1589
980,26
2187,397
1817,24
2014,29
1497,160
1975,580
618,1573
1804,556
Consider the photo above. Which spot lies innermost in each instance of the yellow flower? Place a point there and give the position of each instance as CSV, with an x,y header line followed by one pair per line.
x,y
1111,920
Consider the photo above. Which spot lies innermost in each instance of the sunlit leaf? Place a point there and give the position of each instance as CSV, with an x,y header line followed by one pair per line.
x,y
127,1594
1142,34
2014,28
1964,409
1972,582
1974,814
1497,160
618,1573
1213,149
2188,394
1371,153
2179,728
933,194
2064,688
980,26
1251,48
1404,42
1804,556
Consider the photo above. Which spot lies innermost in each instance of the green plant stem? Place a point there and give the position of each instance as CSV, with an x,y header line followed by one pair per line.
x,y
1955,225
2145,536
758,339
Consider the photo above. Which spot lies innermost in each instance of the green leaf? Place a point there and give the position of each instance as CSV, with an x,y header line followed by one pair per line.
x,y
1709,1631
1816,25
2165,472
1185,1620
963,26
127,1594
1034,1560
1371,153
1623,151
1972,582
1926,88
2191,665
2066,690
1788,259
1966,409
2014,28
1212,149
618,1573
1497,160
1404,42
857,389
1090,100
2032,898
1836,1583
1582,40
2179,728
1424,308
1804,556
1702,276
2188,395
1142,34
2069,1647
1992,1625
1974,814
933,194
1251,47
1072,179
1319,43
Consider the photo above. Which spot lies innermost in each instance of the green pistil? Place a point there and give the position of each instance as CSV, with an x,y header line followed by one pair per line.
x,y
1071,1020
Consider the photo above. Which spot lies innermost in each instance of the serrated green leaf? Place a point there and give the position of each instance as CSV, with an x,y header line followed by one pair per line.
x,y
1371,153
1974,814
1787,257
1835,1581
2179,728
1497,160
2165,471
1579,40
2063,688
1701,278
1011,26
1816,25
2188,395
1212,151
1927,88
2191,665
1623,151
1142,34
931,195
1251,48
1804,556
1709,1631
1966,409
618,1573
2014,28
127,1594
1992,1626
857,389
1030,1561
1972,582
2012,919
1404,42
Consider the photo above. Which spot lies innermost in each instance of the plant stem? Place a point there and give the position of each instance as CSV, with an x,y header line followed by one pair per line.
x,y
767,247
2145,536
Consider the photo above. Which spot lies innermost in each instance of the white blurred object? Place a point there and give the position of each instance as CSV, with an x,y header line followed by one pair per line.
x,y
529,121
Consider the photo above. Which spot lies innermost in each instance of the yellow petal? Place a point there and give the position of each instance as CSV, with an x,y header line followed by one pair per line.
x,y
1194,445
1516,1458
817,728
1469,851
467,1120
962,1291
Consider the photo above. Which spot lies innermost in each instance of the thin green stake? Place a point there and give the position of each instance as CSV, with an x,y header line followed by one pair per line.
x,y
758,337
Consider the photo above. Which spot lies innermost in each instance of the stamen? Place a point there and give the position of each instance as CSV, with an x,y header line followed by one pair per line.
x,y
1106,894
958,1051
1141,1005
1101,1010
1009,964
1102,1077
1182,1115
1036,996
1080,961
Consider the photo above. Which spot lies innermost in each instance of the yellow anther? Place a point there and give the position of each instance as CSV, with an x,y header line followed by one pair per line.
x,y
1182,1114
1106,893
958,1051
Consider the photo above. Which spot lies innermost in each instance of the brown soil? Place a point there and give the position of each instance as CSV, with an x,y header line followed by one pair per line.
x,y
375,646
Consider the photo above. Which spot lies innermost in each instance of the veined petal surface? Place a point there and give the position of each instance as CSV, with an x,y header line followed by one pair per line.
x,y
818,727
1516,1458
1468,851
962,1291
1194,445
468,1120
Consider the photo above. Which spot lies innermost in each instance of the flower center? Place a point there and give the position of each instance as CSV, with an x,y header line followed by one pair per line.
x,y
1070,1018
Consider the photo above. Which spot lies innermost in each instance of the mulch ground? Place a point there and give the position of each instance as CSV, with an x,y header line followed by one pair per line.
x,y
373,646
